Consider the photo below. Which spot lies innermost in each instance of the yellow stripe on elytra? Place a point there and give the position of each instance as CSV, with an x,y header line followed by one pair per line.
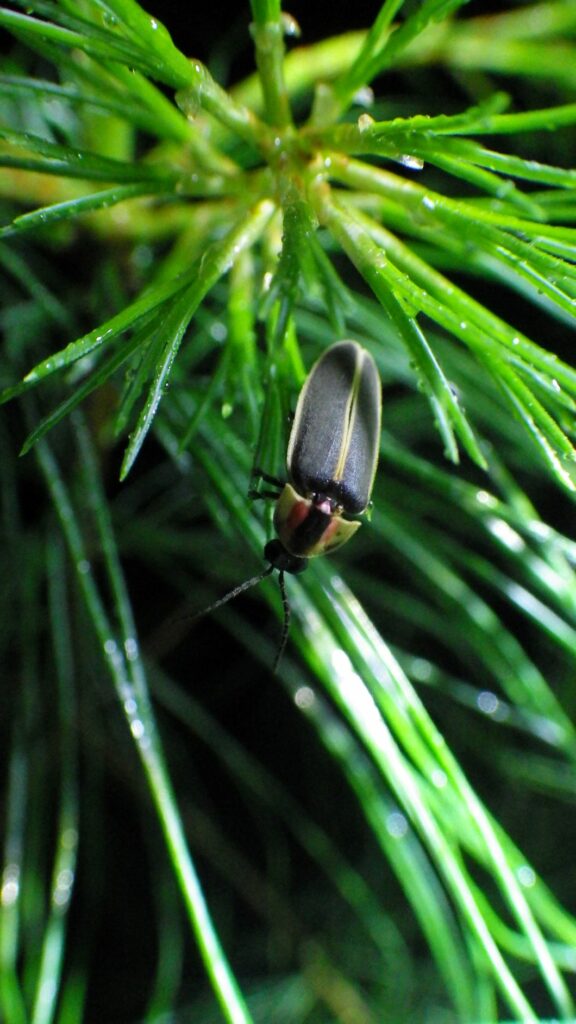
x,y
351,407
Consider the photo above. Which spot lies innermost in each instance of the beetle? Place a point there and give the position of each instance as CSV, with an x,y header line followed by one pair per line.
x,y
331,462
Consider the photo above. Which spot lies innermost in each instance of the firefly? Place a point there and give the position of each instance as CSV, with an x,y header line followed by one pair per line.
x,y
331,462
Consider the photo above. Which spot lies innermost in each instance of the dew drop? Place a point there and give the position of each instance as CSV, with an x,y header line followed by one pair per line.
x,y
137,728
304,697
291,26
439,778
415,163
397,825
131,648
526,876
130,706
487,702
364,97
218,331
10,885
421,670
365,121
64,885
486,499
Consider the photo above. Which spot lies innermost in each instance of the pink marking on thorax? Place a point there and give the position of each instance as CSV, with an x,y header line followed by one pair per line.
x,y
324,504
298,513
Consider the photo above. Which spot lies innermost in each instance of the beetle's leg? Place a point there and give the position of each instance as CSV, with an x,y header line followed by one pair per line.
x,y
286,624
259,474
268,495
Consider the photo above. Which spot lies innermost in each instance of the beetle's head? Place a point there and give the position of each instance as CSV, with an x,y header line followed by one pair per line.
x,y
276,554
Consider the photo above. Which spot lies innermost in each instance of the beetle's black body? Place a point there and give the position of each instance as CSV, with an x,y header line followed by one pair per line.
x,y
332,452
331,461
333,447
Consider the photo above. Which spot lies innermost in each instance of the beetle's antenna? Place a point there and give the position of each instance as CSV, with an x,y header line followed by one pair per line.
x,y
286,626
231,594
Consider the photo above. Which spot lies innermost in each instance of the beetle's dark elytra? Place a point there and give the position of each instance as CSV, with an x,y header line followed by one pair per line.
x,y
335,436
